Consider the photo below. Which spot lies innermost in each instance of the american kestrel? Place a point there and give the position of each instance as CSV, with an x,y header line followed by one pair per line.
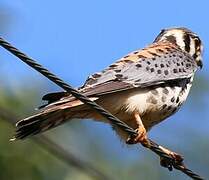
x,y
142,88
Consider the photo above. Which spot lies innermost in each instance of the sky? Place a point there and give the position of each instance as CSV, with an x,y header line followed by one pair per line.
x,y
74,39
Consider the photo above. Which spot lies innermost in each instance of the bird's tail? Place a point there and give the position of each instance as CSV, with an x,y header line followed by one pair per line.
x,y
51,118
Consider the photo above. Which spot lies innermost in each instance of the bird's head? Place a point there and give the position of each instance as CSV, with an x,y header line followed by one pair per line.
x,y
184,39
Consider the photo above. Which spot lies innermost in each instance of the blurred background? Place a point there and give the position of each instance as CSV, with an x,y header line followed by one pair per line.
x,y
74,39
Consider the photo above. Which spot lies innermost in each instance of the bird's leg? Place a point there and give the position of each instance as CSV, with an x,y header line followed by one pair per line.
x,y
142,133
177,157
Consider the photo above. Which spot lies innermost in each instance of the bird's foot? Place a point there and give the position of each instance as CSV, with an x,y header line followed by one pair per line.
x,y
140,138
177,158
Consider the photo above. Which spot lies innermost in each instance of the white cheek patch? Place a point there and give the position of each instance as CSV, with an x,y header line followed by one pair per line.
x,y
179,39
192,47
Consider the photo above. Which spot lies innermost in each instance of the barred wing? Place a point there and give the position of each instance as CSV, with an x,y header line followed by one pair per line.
x,y
141,73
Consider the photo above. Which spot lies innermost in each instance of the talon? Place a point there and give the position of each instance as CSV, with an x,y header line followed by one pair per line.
x,y
140,138
165,163
168,164
177,157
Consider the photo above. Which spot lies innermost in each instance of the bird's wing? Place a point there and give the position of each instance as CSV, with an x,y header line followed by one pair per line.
x,y
156,64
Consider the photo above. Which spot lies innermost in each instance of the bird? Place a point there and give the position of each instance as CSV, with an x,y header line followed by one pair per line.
x,y
142,89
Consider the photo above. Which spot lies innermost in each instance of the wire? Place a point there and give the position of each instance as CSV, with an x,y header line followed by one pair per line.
x,y
171,162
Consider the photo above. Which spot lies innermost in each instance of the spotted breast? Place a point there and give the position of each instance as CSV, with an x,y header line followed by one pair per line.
x,y
159,102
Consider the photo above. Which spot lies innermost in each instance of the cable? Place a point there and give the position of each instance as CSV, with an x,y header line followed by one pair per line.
x,y
171,162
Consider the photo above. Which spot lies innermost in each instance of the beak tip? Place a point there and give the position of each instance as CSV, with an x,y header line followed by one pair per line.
x,y
200,64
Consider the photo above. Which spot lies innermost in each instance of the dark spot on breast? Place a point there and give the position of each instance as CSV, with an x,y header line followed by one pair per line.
x,y
167,65
159,71
166,72
153,58
154,92
179,69
180,56
164,106
174,110
163,98
148,62
147,68
179,104
141,56
172,99
169,108
174,55
162,65
165,91
178,64
117,70
152,69
135,52
138,65
175,70
156,65
152,100
194,56
177,100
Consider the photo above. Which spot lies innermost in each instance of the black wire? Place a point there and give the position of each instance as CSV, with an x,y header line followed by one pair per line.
x,y
114,120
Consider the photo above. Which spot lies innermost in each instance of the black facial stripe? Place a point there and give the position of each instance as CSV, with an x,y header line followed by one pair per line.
x,y
194,56
187,42
197,43
197,47
171,39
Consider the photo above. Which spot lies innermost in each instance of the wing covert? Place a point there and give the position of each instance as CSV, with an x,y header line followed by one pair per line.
x,y
143,72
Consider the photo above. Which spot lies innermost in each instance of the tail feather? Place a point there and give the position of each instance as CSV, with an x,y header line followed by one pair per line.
x,y
47,120
53,114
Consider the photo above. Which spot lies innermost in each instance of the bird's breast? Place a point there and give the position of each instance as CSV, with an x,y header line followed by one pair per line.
x,y
156,103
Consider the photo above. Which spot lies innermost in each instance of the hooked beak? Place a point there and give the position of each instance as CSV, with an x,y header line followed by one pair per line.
x,y
200,64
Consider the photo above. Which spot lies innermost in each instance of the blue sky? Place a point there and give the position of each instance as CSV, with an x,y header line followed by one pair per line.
x,y
76,38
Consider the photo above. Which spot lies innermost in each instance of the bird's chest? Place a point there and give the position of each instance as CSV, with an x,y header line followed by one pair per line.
x,y
157,103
